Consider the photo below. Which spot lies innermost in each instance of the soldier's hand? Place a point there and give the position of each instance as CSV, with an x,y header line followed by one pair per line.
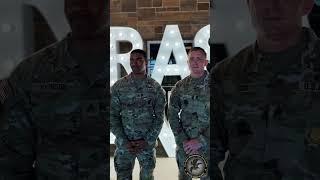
x,y
192,146
140,145
131,147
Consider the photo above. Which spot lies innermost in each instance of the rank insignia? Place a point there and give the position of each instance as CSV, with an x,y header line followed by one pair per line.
x,y
314,136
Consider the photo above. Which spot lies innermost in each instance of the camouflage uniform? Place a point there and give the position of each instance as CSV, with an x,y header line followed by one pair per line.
x,y
57,120
5,91
190,98
137,112
266,113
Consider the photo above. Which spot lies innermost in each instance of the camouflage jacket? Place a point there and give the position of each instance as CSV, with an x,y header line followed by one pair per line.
x,y
188,111
57,120
137,109
266,112
5,92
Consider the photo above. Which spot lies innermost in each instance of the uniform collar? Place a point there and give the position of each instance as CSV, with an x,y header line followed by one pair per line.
x,y
200,79
63,58
131,77
309,37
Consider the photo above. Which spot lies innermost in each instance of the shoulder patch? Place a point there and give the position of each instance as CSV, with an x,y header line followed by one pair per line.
x,y
313,136
5,90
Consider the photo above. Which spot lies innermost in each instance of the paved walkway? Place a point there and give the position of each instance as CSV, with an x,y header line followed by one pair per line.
x,y
166,169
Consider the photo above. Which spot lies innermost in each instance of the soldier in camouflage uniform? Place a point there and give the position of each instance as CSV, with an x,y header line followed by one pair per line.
x,y
188,112
137,112
267,99
56,123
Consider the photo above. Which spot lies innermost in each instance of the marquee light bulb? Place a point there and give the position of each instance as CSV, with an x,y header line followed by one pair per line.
x,y
201,38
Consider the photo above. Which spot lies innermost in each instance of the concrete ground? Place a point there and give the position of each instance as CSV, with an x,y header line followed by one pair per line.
x,y
166,169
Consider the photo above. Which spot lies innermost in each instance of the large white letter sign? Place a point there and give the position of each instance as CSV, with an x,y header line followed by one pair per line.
x,y
202,40
16,29
118,34
171,43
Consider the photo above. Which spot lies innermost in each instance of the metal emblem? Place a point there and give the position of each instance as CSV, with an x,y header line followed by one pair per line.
x,y
195,166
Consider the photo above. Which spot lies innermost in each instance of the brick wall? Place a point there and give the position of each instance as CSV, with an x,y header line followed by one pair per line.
x,y
149,17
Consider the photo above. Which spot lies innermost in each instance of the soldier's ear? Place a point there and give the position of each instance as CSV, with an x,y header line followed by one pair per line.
x,y
206,62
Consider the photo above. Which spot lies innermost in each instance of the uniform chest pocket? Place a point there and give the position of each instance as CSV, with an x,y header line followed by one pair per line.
x,y
44,92
141,100
188,101
57,124
56,114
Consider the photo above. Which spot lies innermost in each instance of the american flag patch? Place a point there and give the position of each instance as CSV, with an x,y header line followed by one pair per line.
x,y
5,90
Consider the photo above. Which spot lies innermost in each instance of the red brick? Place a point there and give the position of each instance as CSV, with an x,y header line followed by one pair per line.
x,y
132,21
185,28
115,6
146,13
144,3
157,3
159,29
147,32
188,5
168,3
145,23
119,19
133,14
200,17
203,6
174,16
128,6
161,9
173,9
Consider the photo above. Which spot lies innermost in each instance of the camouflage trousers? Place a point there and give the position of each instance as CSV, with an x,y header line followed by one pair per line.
x,y
124,163
181,158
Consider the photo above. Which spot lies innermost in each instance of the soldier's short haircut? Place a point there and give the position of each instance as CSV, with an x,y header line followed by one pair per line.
x,y
140,51
143,53
198,49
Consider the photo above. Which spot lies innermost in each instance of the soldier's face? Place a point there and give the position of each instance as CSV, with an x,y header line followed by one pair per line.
x,y
86,17
275,19
197,61
138,63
